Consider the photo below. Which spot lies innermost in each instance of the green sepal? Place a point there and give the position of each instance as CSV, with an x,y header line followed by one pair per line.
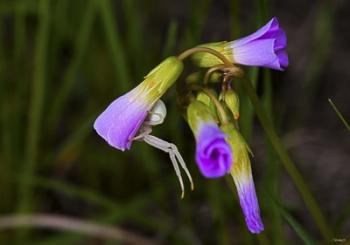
x,y
240,150
198,113
203,97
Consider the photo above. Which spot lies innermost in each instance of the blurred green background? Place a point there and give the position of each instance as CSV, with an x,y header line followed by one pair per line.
x,y
62,62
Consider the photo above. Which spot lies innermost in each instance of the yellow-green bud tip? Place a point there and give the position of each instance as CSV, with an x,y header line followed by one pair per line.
x,y
231,100
197,113
162,77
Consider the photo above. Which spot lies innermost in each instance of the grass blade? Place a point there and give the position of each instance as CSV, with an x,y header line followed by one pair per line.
x,y
117,50
346,124
35,110
299,230
71,73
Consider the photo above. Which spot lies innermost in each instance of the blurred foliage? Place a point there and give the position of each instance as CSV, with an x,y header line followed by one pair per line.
x,y
61,63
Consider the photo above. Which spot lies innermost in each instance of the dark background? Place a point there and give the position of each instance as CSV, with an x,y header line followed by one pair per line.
x,y
62,62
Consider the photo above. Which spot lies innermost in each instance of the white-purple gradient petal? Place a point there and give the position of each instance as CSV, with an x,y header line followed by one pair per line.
x,y
122,119
249,203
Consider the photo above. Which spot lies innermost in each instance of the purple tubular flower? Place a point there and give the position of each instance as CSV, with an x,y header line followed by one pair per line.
x,y
265,47
213,153
122,119
241,173
250,206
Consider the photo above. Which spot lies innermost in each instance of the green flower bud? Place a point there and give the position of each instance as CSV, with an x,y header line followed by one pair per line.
x,y
215,77
193,77
231,100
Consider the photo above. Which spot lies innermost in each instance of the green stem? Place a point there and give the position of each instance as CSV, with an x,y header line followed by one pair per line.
x,y
191,51
287,162
221,111
211,71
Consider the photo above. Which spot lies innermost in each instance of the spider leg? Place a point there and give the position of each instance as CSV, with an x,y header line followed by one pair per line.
x,y
172,150
166,147
176,152
178,173
145,130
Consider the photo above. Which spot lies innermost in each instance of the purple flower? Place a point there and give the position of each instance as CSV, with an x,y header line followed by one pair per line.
x,y
213,153
249,203
265,47
121,120
241,173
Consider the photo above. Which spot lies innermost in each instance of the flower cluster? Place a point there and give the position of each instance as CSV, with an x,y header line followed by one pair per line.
x,y
212,115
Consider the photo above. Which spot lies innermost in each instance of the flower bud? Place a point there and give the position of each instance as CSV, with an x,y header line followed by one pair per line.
x,y
231,100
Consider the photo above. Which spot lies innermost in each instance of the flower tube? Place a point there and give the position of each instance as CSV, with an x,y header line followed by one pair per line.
x,y
121,120
213,153
265,48
241,173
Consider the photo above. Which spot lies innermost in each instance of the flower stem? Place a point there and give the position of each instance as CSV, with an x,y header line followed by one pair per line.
x,y
191,51
211,71
288,164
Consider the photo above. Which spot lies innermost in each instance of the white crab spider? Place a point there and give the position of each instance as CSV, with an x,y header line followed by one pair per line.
x,y
156,116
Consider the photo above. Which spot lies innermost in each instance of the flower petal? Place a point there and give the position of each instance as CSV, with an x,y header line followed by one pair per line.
x,y
249,202
241,173
282,59
281,40
267,31
257,53
213,153
122,119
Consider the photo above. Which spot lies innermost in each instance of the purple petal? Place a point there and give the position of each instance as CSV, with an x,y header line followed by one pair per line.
x,y
280,40
122,119
283,58
262,48
267,31
249,204
257,53
213,153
